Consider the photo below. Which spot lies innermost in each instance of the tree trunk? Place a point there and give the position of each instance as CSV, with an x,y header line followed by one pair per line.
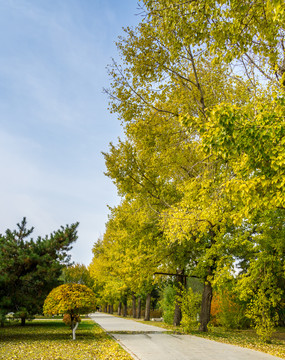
x,y
134,306
23,321
147,308
120,308
125,308
111,309
177,313
105,308
74,329
180,284
206,306
139,312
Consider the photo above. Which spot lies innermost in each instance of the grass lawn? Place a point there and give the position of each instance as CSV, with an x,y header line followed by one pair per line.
x,y
52,340
244,338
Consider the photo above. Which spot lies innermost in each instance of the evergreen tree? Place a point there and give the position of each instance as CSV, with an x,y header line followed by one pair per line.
x,y
29,268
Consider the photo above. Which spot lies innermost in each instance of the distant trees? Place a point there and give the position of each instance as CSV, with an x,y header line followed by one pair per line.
x,y
71,300
29,268
77,274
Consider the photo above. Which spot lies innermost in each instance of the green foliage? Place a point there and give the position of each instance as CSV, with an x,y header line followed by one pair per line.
x,y
29,268
78,274
167,303
200,95
22,314
263,285
263,315
191,306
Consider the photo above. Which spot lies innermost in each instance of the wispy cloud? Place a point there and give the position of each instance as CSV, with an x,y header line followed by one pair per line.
x,y
54,121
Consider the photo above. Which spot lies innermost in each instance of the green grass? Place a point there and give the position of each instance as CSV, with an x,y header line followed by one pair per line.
x,y
244,338
52,340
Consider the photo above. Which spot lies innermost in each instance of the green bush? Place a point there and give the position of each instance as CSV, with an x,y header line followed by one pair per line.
x,y
190,306
167,303
264,316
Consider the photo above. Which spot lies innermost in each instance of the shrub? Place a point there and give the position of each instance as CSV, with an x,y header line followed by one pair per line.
x,y
167,303
228,311
264,316
190,306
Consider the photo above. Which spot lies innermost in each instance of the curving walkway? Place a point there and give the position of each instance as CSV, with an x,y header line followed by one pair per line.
x,y
146,342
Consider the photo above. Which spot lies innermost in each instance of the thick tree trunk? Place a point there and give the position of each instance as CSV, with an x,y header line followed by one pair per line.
x,y
111,309
134,306
105,308
139,312
206,306
180,284
177,313
147,308
120,309
23,321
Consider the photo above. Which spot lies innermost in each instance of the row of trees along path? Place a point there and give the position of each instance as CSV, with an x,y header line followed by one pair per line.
x,y
199,92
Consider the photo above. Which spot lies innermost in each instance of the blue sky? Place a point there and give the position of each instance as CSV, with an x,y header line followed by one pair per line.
x,y
54,120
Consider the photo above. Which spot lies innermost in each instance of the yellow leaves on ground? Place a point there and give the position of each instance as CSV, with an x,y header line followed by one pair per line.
x,y
247,339
52,340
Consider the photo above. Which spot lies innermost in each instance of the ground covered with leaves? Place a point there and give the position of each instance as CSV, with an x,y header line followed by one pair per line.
x,y
243,338
52,340
249,339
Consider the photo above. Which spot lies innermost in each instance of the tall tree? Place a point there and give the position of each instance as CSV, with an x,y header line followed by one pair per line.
x,y
29,268
193,74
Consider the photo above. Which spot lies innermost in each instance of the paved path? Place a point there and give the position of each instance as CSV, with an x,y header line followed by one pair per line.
x,y
153,343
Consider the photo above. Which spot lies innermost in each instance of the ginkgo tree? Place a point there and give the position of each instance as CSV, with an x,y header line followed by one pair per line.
x,y
164,167
125,263
71,300
191,94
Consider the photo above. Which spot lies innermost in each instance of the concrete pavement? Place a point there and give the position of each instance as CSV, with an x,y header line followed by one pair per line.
x,y
112,324
153,343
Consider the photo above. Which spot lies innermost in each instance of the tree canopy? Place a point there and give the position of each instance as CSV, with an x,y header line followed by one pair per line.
x,y
70,299
200,95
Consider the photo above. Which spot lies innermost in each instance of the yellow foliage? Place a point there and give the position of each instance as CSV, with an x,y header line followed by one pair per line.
x,y
70,299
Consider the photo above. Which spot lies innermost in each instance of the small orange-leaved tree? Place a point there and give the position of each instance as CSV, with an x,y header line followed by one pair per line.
x,y
71,300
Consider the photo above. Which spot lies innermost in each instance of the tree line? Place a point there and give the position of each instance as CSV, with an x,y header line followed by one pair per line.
x,y
199,92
